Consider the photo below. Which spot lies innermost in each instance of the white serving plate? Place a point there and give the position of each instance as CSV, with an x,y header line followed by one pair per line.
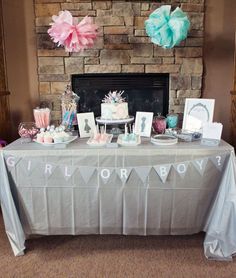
x,y
90,143
164,140
117,122
128,144
70,139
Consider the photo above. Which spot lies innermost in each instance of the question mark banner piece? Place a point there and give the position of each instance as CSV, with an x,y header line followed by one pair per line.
x,y
218,161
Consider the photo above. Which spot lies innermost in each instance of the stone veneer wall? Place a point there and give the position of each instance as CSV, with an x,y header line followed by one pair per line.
x,y
122,46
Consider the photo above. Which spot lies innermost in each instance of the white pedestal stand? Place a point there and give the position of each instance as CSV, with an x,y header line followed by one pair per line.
x,y
115,130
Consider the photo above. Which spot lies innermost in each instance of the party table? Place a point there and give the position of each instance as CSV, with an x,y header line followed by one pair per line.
x,y
145,190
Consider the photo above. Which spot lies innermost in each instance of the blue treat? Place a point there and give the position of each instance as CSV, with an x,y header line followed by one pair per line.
x,y
172,121
132,137
125,137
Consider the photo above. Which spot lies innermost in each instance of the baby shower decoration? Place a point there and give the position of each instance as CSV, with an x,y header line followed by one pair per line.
x,y
166,28
30,167
73,35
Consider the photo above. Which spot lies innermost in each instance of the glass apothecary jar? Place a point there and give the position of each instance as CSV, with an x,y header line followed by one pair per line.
x,y
172,119
159,124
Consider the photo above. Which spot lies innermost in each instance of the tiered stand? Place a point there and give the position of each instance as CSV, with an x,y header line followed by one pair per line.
x,y
115,130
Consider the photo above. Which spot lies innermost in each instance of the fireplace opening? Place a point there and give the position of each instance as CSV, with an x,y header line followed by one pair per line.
x,y
143,92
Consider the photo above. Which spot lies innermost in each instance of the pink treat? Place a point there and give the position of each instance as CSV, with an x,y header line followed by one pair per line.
x,y
97,137
40,138
104,137
48,139
159,124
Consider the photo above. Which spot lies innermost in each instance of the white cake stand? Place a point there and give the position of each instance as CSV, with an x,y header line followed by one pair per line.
x,y
115,122
115,130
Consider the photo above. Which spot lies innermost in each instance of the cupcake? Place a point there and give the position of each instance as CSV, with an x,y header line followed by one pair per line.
x,y
48,138
58,137
65,136
40,137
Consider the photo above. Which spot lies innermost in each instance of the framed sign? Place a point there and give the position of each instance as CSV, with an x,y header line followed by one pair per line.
x,y
143,123
197,111
86,124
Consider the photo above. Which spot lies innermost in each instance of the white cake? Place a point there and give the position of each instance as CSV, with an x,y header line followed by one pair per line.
x,y
114,111
114,106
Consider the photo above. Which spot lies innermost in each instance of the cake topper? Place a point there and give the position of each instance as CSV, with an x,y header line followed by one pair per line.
x,y
114,97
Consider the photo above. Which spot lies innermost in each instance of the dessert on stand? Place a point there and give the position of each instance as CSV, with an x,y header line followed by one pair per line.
x,y
53,136
129,139
114,111
99,137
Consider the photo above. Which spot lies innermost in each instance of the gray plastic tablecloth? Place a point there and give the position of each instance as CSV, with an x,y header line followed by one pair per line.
x,y
35,203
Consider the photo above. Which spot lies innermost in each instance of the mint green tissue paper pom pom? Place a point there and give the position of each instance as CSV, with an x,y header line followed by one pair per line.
x,y
166,28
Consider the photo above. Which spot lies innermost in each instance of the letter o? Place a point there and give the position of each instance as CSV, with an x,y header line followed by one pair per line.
x,y
183,169
105,173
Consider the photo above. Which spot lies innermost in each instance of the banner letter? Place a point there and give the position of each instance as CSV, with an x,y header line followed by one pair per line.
x,y
66,172
163,171
48,168
199,162
106,172
11,161
123,174
29,165
183,168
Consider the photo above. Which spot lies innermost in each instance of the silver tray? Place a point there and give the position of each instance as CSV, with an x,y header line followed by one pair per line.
x,y
164,140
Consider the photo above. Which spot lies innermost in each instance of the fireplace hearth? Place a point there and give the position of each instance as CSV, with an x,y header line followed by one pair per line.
x,y
143,92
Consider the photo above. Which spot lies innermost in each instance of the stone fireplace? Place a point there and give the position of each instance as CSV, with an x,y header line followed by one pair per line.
x,y
121,48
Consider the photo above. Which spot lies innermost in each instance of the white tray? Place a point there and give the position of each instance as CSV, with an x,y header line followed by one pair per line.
x,y
70,139
90,143
128,144
117,122
164,140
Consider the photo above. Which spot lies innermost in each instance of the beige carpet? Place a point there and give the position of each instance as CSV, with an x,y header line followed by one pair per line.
x,y
111,256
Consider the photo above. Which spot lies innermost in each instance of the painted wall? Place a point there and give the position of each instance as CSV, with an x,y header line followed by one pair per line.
x,y
220,26
20,44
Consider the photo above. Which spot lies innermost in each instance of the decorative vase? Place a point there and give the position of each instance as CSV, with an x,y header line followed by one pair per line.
x,y
172,119
159,124
27,131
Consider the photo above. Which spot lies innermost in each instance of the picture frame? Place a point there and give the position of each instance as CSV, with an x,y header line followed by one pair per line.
x,y
143,123
197,111
86,124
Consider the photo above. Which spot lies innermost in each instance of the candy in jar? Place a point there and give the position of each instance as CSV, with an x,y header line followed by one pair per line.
x,y
159,124
172,119
69,102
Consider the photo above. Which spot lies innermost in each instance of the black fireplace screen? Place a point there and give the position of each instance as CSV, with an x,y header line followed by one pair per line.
x,y
143,92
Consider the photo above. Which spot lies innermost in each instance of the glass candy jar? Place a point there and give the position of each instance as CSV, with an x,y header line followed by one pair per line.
x,y
69,104
27,131
172,119
159,124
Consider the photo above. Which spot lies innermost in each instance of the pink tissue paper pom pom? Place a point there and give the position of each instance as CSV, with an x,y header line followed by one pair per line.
x,y
74,36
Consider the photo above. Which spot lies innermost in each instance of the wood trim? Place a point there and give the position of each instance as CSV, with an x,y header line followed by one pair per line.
x,y
235,64
4,93
5,123
3,73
